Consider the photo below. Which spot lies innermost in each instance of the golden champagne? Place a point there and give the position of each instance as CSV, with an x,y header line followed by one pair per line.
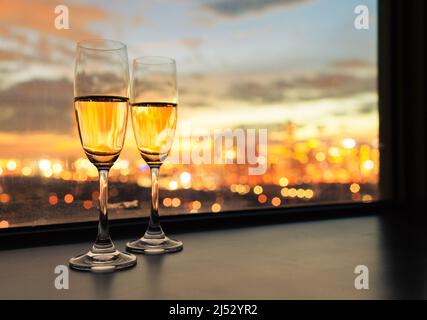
x,y
154,126
102,127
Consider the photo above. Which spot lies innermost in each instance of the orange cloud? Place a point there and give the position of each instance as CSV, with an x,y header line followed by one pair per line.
x,y
35,145
39,15
29,38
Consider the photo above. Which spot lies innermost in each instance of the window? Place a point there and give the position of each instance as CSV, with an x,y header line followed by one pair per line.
x,y
299,69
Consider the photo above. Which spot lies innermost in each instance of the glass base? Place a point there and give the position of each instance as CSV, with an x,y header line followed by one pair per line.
x,y
103,262
154,246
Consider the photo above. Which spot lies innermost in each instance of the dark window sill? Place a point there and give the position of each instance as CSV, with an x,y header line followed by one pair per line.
x,y
310,260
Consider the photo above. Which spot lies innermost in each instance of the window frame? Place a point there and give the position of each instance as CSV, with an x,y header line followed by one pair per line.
x,y
399,178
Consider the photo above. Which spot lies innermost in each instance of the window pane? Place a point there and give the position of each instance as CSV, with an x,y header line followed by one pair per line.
x,y
298,73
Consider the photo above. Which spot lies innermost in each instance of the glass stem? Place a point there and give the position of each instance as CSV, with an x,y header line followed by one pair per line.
x,y
154,230
103,241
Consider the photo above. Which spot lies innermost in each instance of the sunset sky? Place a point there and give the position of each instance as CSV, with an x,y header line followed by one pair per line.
x,y
240,63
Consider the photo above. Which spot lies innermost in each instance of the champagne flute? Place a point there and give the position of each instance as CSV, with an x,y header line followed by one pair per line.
x,y
154,103
101,103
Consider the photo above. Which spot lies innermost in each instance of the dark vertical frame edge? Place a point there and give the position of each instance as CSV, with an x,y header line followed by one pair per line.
x,y
401,86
